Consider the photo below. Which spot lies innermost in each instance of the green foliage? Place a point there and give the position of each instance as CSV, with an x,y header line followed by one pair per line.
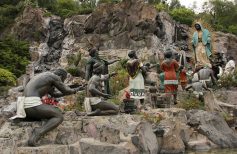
x,y
227,116
174,4
152,118
4,90
221,14
109,1
115,101
189,102
67,8
8,12
73,61
14,55
120,81
154,1
232,29
161,7
80,100
228,81
74,71
47,14
183,15
7,78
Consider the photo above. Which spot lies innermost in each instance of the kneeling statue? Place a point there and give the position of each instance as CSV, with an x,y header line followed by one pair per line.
x,y
95,103
31,107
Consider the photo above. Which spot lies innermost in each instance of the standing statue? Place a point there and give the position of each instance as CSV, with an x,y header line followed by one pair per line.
x,y
31,107
95,103
170,67
201,43
94,58
136,79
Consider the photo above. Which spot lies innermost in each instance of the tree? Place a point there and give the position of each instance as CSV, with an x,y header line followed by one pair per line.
x,y
174,4
194,5
223,14
154,1
14,55
183,15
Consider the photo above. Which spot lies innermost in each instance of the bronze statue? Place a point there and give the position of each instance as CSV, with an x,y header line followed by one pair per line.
x,y
36,88
94,54
96,103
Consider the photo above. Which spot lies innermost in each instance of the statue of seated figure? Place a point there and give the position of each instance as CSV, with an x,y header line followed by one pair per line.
x,y
95,102
31,107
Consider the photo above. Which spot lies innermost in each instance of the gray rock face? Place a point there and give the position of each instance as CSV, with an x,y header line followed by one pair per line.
x,y
92,146
177,133
31,25
214,127
225,43
111,134
145,140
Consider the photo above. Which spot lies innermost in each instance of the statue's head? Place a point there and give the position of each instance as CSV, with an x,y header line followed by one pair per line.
x,y
168,54
93,52
132,54
62,73
97,68
197,26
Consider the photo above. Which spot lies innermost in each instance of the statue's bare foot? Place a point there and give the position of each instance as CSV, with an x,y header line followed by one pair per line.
x,y
94,113
34,138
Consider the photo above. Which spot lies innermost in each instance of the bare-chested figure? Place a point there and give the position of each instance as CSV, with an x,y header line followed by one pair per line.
x,y
206,75
38,86
202,80
95,97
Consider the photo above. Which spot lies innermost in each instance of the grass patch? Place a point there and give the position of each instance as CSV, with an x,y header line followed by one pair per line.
x,y
189,102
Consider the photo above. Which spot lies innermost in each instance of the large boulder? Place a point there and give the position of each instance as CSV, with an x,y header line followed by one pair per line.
x,y
214,127
31,25
91,146
226,43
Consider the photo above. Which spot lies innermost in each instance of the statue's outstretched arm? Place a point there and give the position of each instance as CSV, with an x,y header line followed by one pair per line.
x,y
65,90
56,94
112,61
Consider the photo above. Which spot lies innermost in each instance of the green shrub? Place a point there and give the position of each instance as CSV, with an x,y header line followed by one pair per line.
x,y
152,118
232,29
8,13
189,102
68,8
121,80
74,71
227,81
109,1
80,100
14,55
161,7
183,15
7,78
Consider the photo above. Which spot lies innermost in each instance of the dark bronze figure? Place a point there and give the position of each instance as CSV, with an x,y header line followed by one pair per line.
x,y
97,98
94,58
38,86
